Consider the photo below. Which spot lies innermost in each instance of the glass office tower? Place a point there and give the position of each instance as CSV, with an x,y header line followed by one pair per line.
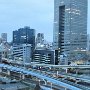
x,y
24,35
70,26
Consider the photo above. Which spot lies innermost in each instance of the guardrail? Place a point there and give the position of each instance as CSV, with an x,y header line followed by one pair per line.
x,y
40,75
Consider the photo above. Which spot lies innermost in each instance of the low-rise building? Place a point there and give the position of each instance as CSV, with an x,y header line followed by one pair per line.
x,y
44,56
22,52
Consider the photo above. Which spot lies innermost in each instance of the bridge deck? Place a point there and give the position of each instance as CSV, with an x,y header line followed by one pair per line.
x,y
38,75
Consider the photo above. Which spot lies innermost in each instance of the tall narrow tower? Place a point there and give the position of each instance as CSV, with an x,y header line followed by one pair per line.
x,y
4,37
70,26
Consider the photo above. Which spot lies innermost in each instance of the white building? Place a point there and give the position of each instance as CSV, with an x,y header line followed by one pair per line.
x,y
22,53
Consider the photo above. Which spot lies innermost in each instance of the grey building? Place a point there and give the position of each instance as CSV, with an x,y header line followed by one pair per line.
x,y
70,26
40,39
24,35
4,37
0,56
22,53
44,56
88,42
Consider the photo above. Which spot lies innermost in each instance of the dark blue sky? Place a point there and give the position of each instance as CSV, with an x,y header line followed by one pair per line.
x,y
37,14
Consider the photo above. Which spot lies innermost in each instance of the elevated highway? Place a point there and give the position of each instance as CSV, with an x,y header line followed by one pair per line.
x,y
63,66
55,81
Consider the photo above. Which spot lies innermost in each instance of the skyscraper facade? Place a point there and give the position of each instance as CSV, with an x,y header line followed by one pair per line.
x,y
40,39
70,26
4,37
24,35
88,42
0,55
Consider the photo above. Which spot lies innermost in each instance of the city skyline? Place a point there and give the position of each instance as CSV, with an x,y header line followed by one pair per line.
x,y
17,14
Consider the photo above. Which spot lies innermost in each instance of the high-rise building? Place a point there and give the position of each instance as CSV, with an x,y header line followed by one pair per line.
x,y
70,26
88,42
0,40
0,55
4,37
40,39
24,36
